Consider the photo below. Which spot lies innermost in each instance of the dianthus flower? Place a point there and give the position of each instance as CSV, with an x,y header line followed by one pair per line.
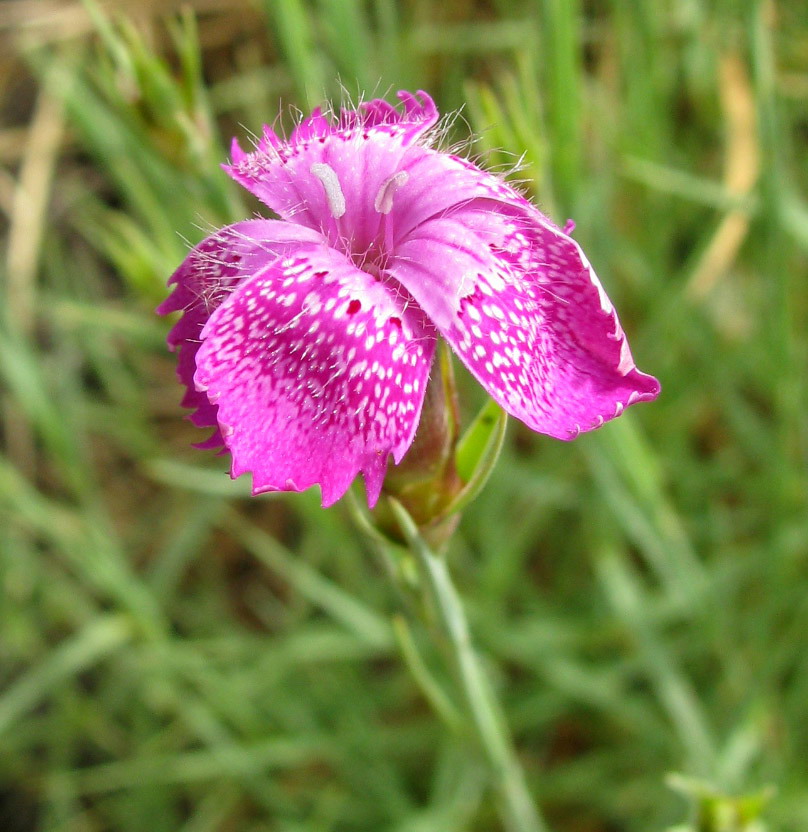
x,y
307,341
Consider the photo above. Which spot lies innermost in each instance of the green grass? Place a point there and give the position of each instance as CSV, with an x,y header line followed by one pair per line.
x,y
175,655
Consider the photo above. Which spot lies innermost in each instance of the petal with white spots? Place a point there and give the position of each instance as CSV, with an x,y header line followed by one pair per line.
x,y
522,308
318,371
204,279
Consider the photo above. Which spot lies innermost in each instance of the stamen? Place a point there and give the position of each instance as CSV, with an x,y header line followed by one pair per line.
x,y
384,199
333,192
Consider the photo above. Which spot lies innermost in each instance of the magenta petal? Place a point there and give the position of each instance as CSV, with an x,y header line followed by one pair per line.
x,y
313,127
206,276
363,147
440,182
521,306
318,371
418,116
284,180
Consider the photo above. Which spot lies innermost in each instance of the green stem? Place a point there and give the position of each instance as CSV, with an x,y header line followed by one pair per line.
x,y
518,811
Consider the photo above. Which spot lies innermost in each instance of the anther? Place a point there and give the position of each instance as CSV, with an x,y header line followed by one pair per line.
x,y
333,192
384,199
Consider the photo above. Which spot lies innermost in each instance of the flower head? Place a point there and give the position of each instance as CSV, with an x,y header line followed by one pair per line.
x,y
307,341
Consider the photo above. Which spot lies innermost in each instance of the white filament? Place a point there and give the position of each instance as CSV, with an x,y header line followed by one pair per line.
x,y
384,198
333,192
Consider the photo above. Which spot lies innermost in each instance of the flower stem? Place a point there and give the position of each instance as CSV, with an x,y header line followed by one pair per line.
x,y
518,811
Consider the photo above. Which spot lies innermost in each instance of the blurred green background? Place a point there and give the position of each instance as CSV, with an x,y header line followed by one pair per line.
x,y
177,656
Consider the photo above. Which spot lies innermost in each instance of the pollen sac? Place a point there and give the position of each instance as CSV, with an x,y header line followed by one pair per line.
x,y
384,198
333,192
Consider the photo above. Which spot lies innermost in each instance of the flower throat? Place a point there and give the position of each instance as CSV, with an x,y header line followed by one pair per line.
x,y
373,258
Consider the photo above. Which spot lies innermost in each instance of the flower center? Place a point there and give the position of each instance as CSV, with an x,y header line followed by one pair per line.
x,y
370,243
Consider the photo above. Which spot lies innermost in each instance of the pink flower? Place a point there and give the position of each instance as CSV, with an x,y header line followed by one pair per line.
x,y
307,341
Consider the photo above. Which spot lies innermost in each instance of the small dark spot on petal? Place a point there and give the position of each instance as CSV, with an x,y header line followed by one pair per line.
x,y
353,307
320,275
396,322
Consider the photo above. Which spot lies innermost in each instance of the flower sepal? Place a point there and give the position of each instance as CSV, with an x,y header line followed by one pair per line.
x,y
442,474
477,454
426,482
